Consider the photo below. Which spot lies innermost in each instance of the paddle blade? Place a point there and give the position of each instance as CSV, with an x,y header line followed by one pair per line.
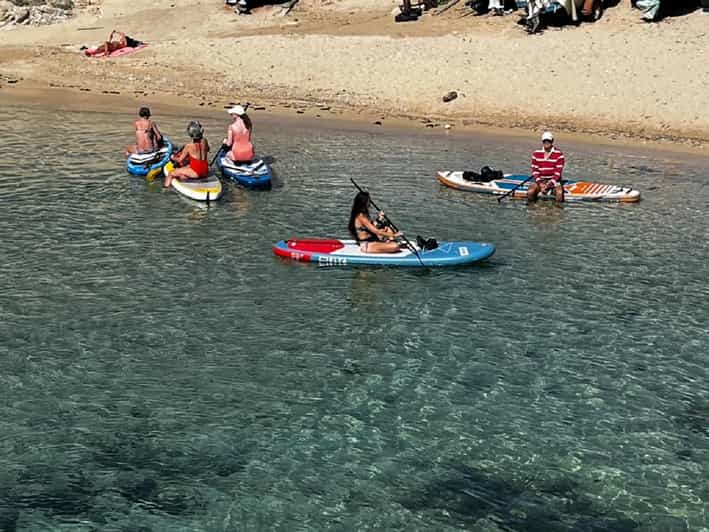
x,y
169,167
155,172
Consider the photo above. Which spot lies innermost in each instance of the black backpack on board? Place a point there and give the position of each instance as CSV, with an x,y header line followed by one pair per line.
x,y
486,175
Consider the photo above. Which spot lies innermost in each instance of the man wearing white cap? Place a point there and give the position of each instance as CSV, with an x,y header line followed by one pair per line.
x,y
547,167
239,136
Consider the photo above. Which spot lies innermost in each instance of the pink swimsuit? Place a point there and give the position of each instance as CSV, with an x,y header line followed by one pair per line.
x,y
239,137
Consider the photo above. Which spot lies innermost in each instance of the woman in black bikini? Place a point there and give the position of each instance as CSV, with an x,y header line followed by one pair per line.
x,y
370,238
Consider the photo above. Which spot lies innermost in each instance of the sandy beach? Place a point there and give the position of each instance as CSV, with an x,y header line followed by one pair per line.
x,y
618,78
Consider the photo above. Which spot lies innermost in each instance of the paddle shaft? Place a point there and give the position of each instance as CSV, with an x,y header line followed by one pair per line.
x,y
391,224
220,150
500,198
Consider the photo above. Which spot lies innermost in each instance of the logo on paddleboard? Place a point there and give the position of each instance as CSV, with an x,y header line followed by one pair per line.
x,y
332,261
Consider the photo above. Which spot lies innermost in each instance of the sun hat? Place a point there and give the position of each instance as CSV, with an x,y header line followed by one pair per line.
x,y
547,136
237,110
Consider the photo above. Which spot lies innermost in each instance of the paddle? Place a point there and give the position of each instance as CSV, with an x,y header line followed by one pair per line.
x,y
221,149
510,191
391,224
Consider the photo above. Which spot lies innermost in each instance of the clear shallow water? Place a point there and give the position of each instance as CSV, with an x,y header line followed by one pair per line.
x,y
161,370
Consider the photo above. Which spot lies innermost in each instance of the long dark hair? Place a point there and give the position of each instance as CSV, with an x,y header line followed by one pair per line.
x,y
360,205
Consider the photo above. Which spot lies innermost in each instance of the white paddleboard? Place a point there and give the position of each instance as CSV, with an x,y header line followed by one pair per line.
x,y
207,189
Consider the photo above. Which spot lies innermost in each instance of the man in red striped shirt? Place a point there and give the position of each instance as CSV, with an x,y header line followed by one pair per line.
x,y
547,166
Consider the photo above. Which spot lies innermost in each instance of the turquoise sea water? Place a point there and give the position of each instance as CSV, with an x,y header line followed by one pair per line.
x,y
160,369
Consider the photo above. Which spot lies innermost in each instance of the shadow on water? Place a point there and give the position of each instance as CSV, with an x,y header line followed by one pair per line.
x,y
473,498
158,477
695,416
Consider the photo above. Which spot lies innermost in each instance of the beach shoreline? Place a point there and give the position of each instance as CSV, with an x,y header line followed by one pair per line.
x,y
33,96
304,68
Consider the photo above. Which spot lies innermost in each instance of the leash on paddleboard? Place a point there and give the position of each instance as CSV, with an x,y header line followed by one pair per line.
x,y
391,224
510,191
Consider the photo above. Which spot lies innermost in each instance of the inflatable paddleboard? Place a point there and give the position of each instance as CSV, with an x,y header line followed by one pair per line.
x,y
256,174
332,252
207,189
149,164
573,190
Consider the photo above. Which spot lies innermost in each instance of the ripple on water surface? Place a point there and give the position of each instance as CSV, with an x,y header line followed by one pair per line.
x,y
161,370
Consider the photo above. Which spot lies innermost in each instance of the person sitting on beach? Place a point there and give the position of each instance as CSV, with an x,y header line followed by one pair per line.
x,y
193,156
147,134
371,239
239,136
111,46
547,167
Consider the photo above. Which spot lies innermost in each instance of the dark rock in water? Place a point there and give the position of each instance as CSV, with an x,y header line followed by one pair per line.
x,y
449,97
695,416
604,525
142,490
666,523
8,518
684,454
56,493
469,496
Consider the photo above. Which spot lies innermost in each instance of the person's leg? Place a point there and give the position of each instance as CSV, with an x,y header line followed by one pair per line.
x,y
383,247
181,174
101,49
559,194
130,150
532,192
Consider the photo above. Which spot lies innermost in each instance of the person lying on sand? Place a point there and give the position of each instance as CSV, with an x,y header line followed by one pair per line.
x,y
147,134
112,45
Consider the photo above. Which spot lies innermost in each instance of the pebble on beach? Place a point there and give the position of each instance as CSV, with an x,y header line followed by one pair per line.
x,y
450,96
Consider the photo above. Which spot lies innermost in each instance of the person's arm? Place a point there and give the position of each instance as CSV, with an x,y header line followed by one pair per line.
x,y
180,156
535,169
206,148
559,168
156,131
382,233
229,140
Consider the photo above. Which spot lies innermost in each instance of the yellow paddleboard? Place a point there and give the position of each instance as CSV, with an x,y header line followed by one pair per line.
x,y
207,189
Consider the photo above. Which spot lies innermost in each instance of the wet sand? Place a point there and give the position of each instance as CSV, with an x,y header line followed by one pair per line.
x,y
349,61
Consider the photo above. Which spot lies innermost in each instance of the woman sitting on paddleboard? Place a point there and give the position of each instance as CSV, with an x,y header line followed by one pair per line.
x,y
239,136
194,154
370,238
147,134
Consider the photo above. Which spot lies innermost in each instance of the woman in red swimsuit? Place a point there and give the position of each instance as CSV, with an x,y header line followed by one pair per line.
x,y
194,154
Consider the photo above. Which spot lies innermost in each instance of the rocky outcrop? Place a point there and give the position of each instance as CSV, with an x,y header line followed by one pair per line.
x,y
37,12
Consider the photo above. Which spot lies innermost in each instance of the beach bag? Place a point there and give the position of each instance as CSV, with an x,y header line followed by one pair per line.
x,y
486,175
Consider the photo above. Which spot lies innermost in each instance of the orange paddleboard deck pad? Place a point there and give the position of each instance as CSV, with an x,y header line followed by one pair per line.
x,y
573,190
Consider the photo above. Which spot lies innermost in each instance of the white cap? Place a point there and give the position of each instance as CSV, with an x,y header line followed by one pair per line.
x,y
547,136
237,110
